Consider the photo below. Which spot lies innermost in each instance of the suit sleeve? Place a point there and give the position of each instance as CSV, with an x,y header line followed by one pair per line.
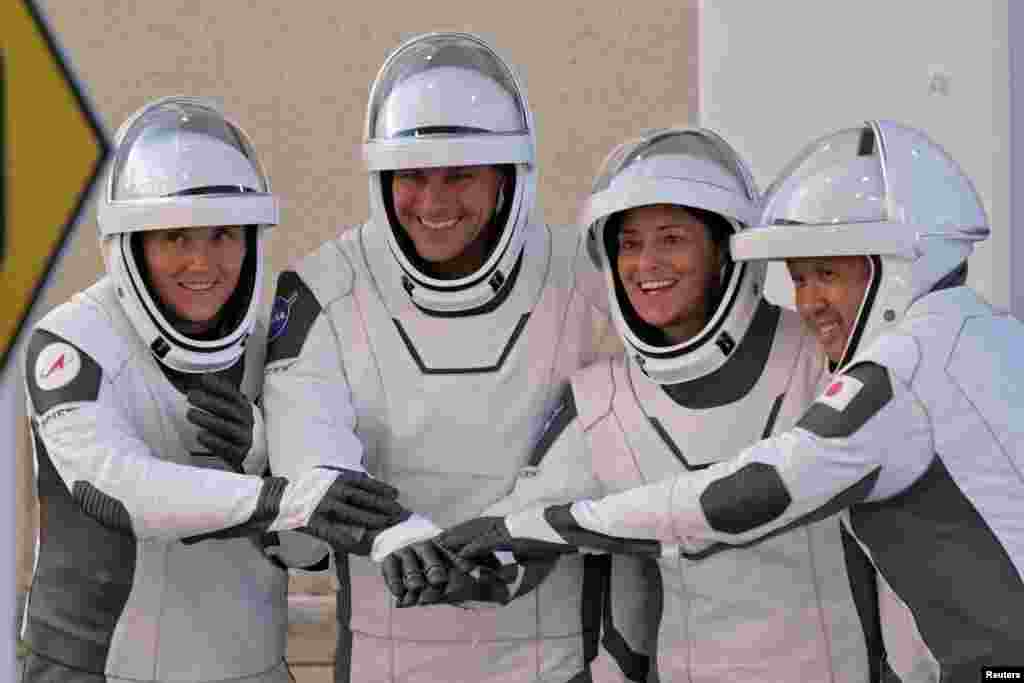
x,y
307,402
867,437
83,426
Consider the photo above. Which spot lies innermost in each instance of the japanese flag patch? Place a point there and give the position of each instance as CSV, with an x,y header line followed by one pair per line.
x,y
840,392
56,365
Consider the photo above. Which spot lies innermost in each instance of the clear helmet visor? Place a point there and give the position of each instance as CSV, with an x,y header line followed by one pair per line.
x,y
445,85
448,100
881,188
688,156
688,167
181,146
181,164
837,180
697,170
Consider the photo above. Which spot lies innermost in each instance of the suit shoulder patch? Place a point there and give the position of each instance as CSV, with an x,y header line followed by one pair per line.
x,y
58,371
294,311
849,401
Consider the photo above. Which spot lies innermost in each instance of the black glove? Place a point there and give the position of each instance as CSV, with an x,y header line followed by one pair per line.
x,y
417,574
353,511
427,573
488,581
478,539
535,527
225,419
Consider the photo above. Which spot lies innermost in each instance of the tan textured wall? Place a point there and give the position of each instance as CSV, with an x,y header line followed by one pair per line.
x,y
297,75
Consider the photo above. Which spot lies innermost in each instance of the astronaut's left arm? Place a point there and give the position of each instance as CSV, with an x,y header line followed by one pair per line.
x,y
867,437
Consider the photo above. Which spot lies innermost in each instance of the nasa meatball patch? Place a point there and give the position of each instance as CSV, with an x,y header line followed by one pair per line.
x,y
295,310
280,314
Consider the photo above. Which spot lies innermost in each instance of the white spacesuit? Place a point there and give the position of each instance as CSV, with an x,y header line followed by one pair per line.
x,y
439,386
918,434
781,611
151,561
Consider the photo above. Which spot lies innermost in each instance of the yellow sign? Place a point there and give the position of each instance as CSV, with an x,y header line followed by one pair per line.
x,y
52,151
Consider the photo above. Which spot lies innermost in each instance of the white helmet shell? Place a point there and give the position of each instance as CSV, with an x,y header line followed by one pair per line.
x,y
447,99
689,167
882,190
179,163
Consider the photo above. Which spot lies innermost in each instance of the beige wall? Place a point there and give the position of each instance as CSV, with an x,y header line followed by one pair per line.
x,y
297,80
296,76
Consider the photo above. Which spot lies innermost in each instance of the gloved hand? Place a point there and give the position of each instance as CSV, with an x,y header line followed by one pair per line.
x,y
416,573
427,573
536,534
478,539
229,424
353,511
343,507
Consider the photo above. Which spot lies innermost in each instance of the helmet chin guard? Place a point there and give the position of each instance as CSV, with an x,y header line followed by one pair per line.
x,y
696,169
179,163
882,190
442,100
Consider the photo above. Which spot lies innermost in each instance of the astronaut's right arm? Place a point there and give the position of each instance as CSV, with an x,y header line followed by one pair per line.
x,y
82,422
307,402
307,406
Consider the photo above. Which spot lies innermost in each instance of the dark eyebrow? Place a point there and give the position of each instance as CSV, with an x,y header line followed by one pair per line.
x,y
664,226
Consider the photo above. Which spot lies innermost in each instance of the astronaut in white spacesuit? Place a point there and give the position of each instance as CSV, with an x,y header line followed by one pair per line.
x,y
919,433
708,362
430,344
155,512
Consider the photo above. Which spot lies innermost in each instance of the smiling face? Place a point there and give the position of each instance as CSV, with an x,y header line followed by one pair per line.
x,y
194,271
445,211
668,263
829,291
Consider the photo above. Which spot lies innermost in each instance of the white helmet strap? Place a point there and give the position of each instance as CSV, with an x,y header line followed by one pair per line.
x,y
864,312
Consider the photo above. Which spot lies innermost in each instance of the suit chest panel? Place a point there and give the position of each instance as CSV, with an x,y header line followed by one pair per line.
x,y
662,438
454,403
692,439
506,401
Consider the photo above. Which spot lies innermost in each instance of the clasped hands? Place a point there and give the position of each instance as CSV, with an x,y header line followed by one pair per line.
x,y
476,563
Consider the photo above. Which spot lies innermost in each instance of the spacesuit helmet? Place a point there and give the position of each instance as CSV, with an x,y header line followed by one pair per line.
x,y
446,100
881,190
180,163
696,169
